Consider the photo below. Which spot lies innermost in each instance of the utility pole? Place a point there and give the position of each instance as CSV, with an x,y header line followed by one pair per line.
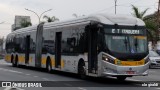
x,y
115,6
158,21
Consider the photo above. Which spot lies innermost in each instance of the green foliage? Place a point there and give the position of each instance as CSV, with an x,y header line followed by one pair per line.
x,y
137,13
149,20
50,19
25,23
151,24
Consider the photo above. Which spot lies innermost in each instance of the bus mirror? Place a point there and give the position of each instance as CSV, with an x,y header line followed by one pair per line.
x,y
100,26
135,26
116,26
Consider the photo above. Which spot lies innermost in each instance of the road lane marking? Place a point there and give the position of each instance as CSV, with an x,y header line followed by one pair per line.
x,y
10,88
81,88
45,79
5,63
14,71
157,88
68,84
35,76
10,70
27,74
132,79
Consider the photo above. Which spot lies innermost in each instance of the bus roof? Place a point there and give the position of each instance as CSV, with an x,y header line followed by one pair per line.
x,y
109,19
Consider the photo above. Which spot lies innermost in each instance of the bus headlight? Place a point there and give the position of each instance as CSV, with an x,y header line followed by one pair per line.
x,y
104,57
107,58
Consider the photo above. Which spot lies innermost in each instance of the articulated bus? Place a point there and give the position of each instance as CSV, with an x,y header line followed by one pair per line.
x,y
98,45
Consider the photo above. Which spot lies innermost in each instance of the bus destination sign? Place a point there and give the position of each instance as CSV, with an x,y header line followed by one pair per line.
x,y
125,31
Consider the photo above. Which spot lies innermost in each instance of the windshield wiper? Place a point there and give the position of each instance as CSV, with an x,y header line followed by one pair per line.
x,y
125,42
136,43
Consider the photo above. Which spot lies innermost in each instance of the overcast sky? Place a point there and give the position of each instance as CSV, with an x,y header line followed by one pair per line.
x,y
64,9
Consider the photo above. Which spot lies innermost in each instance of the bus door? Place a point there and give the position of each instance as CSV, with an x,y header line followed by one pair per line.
x,y
92,50
27,49
58,49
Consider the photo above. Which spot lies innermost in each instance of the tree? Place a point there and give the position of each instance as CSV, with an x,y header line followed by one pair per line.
x,y
137,13
149,21
25,23
50,19
151,24
1,47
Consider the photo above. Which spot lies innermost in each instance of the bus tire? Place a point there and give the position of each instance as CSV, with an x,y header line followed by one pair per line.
x,y
121,78
16,62
81,70
13,61
48,65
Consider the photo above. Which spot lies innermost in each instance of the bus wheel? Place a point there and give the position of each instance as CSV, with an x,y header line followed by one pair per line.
x,y
13,61
49,66
16,62
121,78
81,70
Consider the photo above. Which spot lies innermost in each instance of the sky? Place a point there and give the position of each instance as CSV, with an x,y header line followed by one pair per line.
x,y
64,9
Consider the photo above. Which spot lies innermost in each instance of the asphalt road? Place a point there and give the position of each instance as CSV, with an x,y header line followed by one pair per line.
x,y
67,81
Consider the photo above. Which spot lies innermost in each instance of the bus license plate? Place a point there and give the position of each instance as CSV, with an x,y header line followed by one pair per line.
x,y
130,72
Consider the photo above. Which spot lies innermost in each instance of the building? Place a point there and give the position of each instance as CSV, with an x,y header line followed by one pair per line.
x,y
18,20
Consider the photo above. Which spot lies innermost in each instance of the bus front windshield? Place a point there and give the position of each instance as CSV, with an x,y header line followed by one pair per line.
x,y
126,43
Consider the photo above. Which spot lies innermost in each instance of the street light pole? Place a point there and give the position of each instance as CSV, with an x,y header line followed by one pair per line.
x,y
44,12
115,6
39,17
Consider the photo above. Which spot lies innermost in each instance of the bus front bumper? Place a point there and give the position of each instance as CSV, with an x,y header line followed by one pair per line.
x,y
109,69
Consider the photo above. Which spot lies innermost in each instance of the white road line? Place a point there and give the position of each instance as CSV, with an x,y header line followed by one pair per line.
x,y
27,74
81,88
35,76
157,88
45,79
5,63
68,84
14,71
132,79
10,70
10,88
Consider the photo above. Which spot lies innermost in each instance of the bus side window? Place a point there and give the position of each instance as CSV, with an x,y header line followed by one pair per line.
x,y
71,43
